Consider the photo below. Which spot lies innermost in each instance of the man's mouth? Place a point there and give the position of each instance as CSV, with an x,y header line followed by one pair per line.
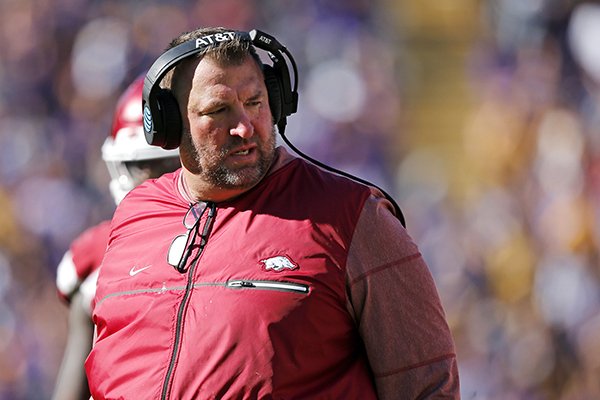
x,y
242,152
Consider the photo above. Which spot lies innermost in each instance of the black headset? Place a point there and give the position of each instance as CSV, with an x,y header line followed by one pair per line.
x,y
162,119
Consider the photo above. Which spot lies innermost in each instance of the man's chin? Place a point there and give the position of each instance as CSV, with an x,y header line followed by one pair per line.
x,y
244,178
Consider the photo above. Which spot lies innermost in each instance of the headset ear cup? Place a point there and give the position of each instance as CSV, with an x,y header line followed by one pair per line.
x,y
170,127
274,90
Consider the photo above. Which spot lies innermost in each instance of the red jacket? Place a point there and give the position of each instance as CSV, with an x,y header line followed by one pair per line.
x,y
268,309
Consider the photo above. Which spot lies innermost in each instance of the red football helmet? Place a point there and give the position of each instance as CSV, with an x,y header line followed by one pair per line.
x,y
129,158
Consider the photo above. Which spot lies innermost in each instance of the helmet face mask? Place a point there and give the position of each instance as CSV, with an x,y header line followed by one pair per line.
x,y
129,158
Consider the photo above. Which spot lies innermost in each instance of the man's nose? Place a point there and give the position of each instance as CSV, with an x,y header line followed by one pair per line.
x,y
243,126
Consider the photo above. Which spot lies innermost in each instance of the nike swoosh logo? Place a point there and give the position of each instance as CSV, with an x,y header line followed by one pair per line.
x,y
133,271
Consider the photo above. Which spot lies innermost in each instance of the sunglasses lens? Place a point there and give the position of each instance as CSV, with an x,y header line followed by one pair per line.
x,y
193,214
177,249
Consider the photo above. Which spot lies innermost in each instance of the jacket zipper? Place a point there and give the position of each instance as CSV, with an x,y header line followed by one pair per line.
x,y
269,285
183,305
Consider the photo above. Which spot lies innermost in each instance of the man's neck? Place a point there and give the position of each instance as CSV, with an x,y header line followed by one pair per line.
x,y
195,189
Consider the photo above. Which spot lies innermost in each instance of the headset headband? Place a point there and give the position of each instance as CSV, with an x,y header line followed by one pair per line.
x,y
173,56
169,59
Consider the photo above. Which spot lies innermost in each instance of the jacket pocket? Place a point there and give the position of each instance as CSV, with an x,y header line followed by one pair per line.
x,y
282,286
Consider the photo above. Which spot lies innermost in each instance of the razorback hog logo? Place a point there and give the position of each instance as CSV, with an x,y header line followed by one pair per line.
x,y
278,264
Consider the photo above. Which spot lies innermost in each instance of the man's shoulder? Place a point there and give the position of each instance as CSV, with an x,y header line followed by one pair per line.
x,y
162,190
164,186
286,163
298,185
153,197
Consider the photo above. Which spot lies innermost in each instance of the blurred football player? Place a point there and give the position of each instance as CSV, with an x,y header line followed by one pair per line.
x,y
130,161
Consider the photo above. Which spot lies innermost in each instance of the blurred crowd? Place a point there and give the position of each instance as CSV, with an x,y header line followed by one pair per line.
x,y
503,201
512,229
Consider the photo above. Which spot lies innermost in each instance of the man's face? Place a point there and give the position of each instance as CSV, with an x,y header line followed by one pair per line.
x,y
228,139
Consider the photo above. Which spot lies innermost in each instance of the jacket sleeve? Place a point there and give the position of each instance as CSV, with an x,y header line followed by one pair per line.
x,y
394,301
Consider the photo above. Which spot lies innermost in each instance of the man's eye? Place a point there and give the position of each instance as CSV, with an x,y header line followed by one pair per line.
x,y
215,111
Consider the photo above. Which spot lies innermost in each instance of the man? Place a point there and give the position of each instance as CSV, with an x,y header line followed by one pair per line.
x,y
130,161
250,273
